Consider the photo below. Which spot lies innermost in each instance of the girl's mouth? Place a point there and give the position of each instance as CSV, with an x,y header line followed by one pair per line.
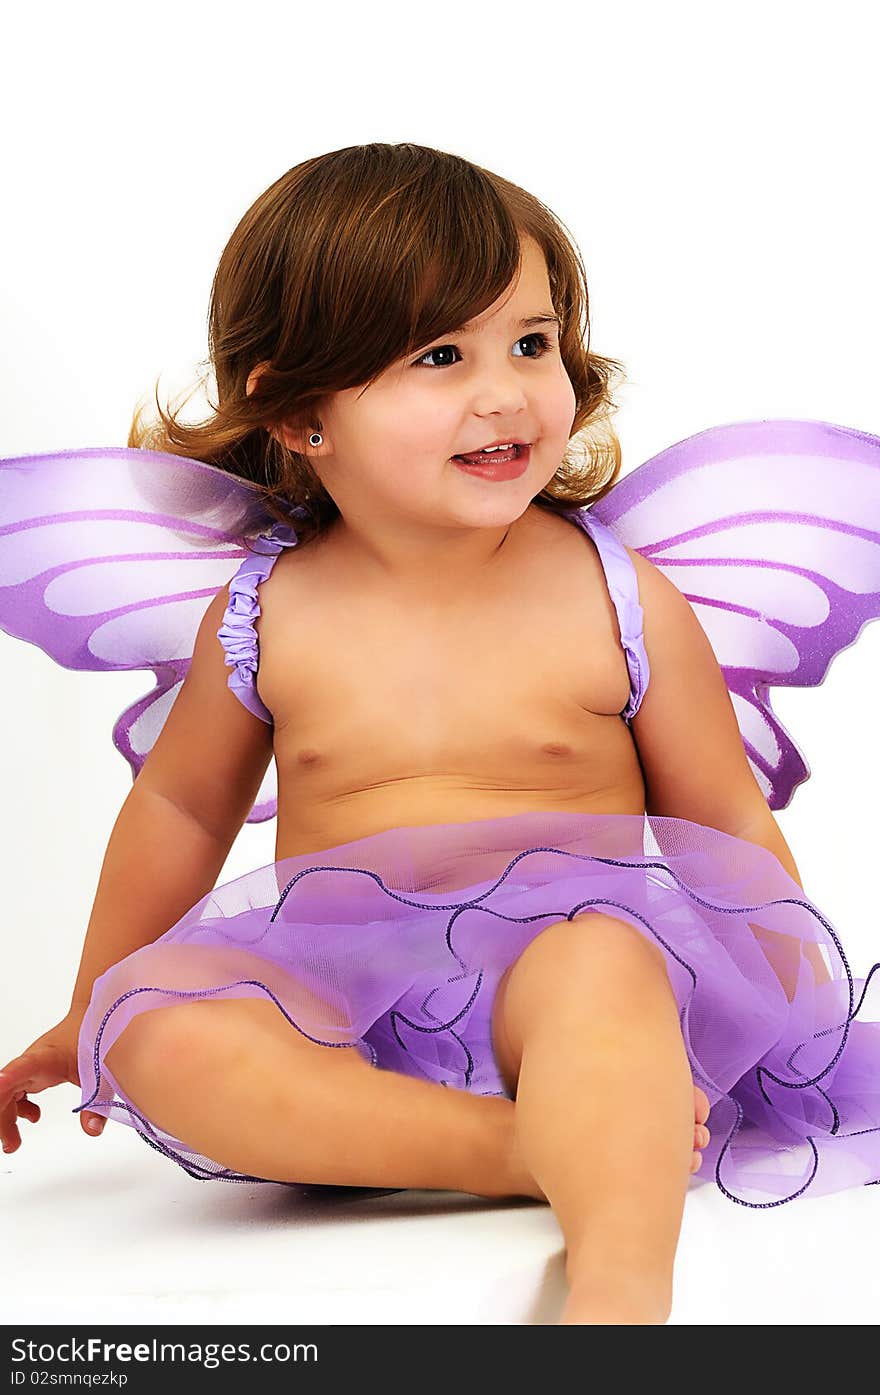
x,y
497,465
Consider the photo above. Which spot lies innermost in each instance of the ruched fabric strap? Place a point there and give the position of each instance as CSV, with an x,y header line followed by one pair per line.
x,y
237,633
623,587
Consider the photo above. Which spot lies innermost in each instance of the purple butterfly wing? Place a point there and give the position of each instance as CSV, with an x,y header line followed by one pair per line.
x,y
771,529
108,560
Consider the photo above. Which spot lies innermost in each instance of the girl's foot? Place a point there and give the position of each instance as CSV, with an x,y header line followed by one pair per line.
x,y
522,1183
614,1302
701,1133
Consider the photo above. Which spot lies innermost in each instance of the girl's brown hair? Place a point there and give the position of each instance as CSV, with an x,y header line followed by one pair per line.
x,y
346,264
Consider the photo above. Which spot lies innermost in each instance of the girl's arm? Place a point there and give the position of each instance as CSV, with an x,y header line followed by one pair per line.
x,y
765,831
691,751
159,862
688,739
174,831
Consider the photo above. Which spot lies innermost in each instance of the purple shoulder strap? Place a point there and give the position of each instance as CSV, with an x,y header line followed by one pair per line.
x,y
620,576
237,633
239,638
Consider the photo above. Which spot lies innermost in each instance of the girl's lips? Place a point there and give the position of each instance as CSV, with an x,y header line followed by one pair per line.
x,y
507,465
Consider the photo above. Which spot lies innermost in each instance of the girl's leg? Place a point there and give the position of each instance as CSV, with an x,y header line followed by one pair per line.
x,y
587,1021
231,1078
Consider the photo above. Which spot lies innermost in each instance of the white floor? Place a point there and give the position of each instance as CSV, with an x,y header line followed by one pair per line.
x,y
109,1229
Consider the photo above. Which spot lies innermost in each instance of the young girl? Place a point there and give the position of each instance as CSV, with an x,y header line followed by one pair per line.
x,y
529,898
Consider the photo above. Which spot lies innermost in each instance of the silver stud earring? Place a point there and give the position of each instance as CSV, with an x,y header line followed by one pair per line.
x,y
316,439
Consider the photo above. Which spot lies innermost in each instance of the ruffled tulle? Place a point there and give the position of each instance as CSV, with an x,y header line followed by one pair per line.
x,y
393,946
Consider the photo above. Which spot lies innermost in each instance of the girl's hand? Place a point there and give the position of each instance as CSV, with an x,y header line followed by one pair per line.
x,y
49,1060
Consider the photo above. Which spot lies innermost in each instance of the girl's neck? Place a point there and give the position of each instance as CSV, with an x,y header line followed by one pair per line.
x,y
430,563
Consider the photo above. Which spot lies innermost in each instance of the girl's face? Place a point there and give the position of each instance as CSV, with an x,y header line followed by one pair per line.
x,y
386,459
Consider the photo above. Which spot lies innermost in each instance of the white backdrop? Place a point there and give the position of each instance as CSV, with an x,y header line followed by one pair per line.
x,y
717,166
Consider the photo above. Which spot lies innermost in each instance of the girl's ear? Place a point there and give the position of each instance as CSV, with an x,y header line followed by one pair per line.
x,y
295,438
292,437
254,376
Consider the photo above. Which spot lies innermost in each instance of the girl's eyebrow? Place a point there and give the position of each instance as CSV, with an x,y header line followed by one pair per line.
x,y
544,319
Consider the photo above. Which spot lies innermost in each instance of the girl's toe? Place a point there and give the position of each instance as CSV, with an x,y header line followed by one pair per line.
x,y
701,1105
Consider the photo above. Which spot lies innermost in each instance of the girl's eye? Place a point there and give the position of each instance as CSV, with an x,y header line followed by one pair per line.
x,y
545,344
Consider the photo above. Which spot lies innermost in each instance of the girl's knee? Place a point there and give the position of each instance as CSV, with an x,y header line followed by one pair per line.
x,y
584,955
158,1040
583,962
595,943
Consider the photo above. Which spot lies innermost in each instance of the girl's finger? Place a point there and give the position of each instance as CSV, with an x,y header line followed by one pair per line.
x,y
16,1081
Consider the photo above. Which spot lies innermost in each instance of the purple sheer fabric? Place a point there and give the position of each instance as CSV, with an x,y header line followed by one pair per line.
x,y
393,946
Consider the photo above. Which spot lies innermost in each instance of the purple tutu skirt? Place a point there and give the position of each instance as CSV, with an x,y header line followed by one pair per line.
x,y
393,946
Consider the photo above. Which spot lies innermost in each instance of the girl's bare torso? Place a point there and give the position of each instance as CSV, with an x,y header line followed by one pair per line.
x,y
391,711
